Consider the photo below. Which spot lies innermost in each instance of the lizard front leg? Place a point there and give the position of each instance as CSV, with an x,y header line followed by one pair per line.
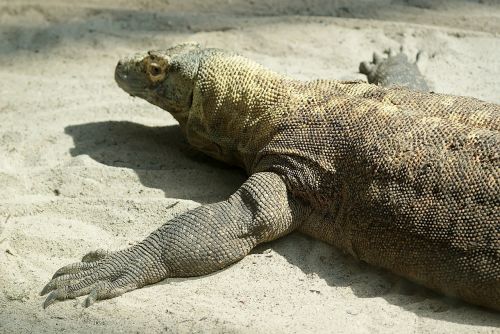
x,y
198,242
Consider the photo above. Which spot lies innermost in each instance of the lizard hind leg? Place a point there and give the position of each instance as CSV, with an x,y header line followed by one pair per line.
x,y
394,70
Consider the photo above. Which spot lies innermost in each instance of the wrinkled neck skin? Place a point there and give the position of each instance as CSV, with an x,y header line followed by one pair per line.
x,y
236,106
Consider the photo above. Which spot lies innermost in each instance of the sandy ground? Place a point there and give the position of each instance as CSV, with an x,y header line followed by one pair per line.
x,y
84,166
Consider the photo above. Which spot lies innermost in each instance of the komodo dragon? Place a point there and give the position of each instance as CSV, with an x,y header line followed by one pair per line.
x,y
401,179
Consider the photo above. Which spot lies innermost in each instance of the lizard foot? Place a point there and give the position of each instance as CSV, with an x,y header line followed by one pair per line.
x,y
394,69
103,275
369,68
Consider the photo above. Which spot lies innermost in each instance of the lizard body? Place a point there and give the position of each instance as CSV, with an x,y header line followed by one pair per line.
x,y
401,179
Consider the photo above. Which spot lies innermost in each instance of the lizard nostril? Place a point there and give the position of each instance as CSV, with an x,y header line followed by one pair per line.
x,y
121,67
120,72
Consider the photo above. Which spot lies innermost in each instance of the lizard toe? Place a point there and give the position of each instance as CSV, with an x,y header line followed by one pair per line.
x,y
74,268
366,68
377,58
390,52
64,280
107,290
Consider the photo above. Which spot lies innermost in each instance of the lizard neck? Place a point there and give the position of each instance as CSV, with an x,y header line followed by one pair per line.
x,y
236,108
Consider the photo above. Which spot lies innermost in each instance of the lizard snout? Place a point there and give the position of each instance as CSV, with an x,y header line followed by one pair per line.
x,y
128,77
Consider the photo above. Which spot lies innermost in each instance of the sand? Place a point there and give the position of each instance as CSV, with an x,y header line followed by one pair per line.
x,y
85,166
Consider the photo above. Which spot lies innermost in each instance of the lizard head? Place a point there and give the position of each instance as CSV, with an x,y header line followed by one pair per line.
x,y
164,78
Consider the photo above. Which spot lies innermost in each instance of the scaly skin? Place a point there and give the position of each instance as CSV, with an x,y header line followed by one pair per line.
x,y
401,179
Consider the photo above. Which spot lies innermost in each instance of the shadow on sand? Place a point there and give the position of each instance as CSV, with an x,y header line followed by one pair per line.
x,y
159,156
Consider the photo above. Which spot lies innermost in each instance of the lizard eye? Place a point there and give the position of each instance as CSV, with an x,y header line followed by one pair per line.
x,y
154,69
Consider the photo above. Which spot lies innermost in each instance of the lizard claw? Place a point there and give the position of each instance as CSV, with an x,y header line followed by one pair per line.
x,y
46,289
51,299
91,298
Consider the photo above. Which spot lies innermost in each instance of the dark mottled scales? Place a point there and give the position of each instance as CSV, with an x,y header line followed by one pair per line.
x,y
405,180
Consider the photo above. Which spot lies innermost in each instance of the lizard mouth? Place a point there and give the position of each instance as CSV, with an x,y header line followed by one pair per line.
x,y
190,99
121,79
